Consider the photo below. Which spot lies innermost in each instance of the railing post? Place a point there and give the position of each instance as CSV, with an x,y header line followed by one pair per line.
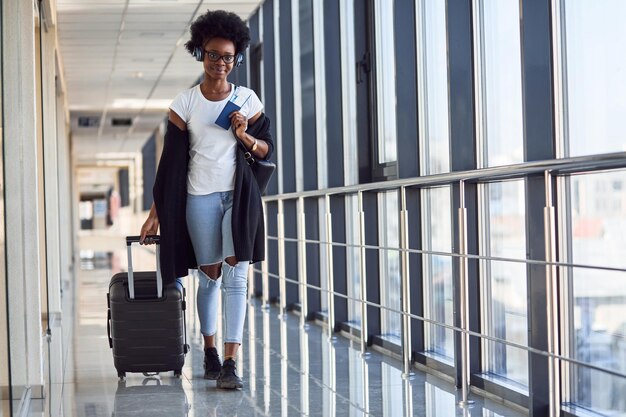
x,y
362,280
302,278
265,284
281,260
552,300
463,278
405,287
330,281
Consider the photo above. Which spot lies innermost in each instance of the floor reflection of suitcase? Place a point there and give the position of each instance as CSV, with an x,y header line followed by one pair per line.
x,y
153,397
146,321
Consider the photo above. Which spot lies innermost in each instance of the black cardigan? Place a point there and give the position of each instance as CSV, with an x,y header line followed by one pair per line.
x,y
170,199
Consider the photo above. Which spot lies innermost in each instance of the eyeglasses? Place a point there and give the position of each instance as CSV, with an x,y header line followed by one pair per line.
x,y
214,57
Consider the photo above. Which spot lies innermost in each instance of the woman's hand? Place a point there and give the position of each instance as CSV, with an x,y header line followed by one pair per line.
x,y
239,124
150,227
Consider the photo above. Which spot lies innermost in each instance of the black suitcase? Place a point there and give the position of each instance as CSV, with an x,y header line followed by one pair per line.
x,y
146,321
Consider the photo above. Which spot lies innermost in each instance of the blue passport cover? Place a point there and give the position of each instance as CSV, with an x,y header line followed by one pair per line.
x,y
222,120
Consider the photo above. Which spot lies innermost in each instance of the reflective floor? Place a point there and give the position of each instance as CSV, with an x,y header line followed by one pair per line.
x,y
287,371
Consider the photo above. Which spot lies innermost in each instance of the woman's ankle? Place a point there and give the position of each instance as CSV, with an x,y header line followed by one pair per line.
x,y
209,342
230,350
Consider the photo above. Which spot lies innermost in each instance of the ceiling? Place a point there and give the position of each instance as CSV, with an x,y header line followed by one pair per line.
x,y
124,61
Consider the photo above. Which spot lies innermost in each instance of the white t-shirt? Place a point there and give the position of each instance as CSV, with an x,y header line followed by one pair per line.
x,y
211,148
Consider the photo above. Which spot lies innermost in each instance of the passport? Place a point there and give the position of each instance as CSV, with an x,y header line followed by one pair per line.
x,y
235,103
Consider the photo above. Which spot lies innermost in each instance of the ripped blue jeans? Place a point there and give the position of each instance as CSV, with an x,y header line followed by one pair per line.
x,y
209,224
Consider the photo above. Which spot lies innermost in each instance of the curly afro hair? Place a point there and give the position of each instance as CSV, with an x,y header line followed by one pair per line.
x,y
219,24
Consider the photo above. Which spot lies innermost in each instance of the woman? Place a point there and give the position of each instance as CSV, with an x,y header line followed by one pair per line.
x,y
206,200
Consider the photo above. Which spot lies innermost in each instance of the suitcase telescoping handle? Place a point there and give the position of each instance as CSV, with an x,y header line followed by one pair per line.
x,y
131,282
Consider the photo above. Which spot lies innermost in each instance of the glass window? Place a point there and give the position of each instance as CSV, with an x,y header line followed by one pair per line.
x,y
388,231
595,60
348,92
385,81
503,283
597,321
433,86
320,94
438,282
501,81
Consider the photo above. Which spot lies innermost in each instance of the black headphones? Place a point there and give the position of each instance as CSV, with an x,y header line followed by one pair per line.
x,y
198,53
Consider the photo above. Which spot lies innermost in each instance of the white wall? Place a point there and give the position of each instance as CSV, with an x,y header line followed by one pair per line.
x,y
38,225
22,205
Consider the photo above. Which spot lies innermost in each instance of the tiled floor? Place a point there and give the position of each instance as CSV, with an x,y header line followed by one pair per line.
x,y
287,371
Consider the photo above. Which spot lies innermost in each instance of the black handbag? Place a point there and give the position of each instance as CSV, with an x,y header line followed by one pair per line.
x,y
262,169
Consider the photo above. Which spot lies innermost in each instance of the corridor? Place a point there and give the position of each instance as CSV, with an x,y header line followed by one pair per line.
x,y
287,370
440,232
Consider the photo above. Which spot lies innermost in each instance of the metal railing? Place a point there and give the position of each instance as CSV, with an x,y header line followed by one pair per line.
x,y
549,169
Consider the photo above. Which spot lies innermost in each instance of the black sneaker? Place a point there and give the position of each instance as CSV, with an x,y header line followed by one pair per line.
x,y
228,378
212,364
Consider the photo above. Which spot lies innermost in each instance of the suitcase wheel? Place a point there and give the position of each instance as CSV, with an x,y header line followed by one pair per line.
x,y
121,376
178,373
